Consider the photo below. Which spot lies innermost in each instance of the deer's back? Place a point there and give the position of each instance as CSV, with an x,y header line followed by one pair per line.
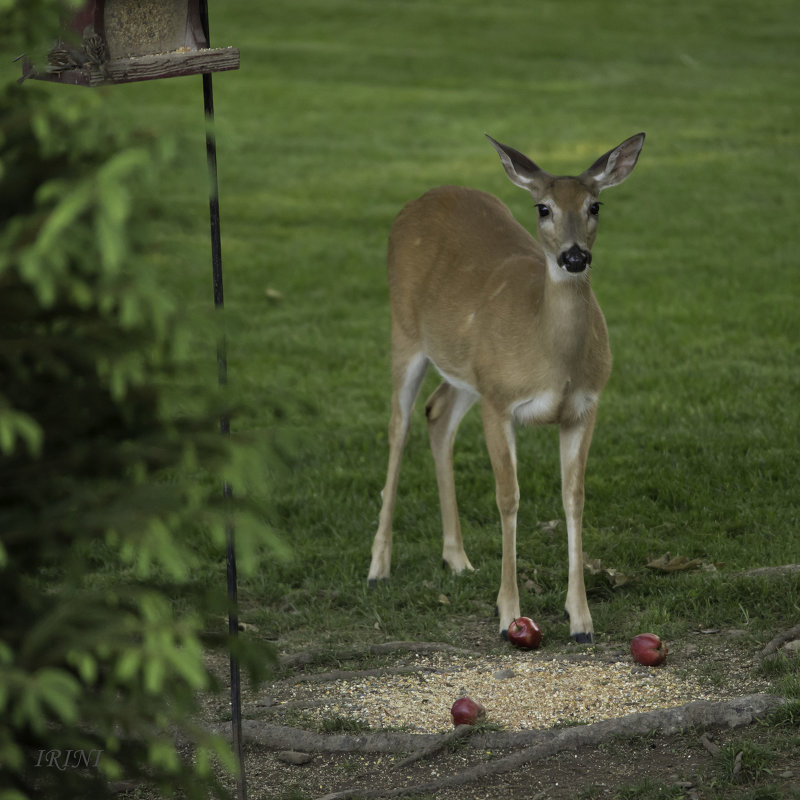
x,y
447,247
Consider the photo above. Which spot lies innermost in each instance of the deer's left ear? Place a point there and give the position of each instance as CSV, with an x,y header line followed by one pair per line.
x,y
616,164
520,169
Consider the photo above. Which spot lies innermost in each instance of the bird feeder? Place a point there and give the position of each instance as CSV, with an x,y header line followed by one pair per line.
x,y
134,40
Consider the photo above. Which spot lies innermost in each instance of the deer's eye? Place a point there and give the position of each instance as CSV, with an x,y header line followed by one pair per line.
x,y
594,209
544,211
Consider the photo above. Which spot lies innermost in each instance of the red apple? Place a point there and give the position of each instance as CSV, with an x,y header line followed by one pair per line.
x,y
648,649
523,632
467,711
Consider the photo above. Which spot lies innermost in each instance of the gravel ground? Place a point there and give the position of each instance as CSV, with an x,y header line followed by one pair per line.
x,y
520,691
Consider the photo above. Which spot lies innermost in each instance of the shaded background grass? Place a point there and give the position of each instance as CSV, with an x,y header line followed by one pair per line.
x,y
343,111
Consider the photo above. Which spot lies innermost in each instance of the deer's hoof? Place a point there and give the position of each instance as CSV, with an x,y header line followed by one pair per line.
x,y
580,638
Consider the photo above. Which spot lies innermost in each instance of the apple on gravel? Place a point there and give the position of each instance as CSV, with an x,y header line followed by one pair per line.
x,y
524,633
466,711
648,649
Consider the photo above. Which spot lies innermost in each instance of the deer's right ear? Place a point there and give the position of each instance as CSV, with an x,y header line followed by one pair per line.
x,y
520,169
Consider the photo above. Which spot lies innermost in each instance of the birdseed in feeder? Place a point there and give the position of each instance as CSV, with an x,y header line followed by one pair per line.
x,y
142,27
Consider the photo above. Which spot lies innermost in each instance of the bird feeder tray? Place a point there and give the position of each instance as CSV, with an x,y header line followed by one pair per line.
x,y
144,40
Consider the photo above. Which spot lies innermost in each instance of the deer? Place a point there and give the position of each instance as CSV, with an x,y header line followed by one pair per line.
x,y
510,321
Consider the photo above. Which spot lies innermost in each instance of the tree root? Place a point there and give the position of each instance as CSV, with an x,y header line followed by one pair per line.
x,y
701,714
779,640
282,737
527,746
780,569
325,656
459,732
348,674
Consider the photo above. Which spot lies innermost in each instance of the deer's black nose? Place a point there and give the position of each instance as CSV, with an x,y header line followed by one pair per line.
x,y
575,259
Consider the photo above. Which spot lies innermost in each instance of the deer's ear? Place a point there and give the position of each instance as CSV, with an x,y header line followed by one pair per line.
x,y
520,169
613,167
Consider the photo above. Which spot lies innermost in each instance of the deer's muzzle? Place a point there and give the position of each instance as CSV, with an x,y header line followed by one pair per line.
x,y
575,259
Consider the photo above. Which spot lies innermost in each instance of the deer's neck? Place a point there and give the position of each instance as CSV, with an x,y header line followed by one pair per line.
x,y
568,306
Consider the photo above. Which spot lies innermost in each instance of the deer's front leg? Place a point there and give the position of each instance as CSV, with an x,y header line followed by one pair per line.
x,y
575,441
499,433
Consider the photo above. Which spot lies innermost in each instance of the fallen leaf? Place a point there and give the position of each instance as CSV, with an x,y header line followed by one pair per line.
x,y
709,745
617,578
666,563
443,600
248,627
595,567
550,526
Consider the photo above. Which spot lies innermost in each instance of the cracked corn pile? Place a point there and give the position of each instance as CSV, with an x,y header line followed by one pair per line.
x,y
519,693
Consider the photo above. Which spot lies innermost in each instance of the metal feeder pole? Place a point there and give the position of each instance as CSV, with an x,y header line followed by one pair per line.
x,y
224,422
76,74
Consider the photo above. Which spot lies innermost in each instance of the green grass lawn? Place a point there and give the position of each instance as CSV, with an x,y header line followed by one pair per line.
x,y
343,111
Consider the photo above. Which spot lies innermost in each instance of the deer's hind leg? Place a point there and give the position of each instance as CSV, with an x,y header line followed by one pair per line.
x,y
408,373
445,409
